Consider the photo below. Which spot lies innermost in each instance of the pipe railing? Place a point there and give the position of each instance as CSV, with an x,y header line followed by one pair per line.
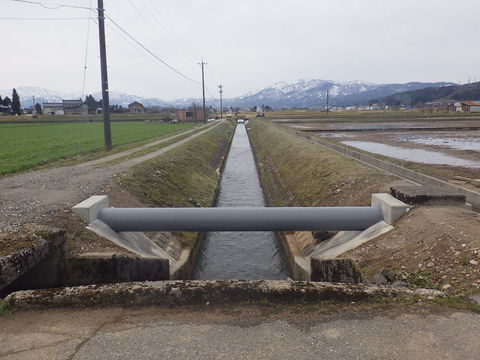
x,y
241,218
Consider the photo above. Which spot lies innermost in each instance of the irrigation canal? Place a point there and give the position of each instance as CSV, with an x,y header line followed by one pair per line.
x,y
240,255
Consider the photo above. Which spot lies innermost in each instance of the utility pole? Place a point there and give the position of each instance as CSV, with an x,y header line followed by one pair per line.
x,y
107,132
220,90
203,89
327,101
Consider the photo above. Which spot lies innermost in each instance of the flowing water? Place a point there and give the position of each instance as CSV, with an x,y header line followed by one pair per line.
x,y
240,255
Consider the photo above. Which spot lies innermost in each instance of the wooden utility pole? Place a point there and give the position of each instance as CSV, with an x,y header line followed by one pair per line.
x,y
107,132
202,63
220,90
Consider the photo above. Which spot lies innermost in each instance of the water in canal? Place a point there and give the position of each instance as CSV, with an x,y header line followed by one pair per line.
x,y
240,255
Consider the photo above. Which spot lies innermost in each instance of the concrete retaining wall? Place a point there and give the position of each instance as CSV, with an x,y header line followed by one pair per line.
x,y
472,197
102,268
173,293
335,270
47,252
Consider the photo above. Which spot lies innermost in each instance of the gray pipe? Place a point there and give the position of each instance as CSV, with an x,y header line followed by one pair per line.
x,y
240,218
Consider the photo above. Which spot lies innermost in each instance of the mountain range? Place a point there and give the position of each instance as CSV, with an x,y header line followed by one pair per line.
x,y
300,94
434,94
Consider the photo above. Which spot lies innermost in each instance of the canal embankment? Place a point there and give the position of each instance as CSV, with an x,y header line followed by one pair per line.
x,y
432,246
185,176
295,172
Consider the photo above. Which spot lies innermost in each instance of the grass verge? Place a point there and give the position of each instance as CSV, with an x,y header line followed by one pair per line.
x,y
186,176
157,147
296,172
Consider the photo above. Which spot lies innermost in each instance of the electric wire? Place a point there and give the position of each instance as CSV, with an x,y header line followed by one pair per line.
x,y
51,6
86,57
43,18
151,52
175,35
175,39
164,34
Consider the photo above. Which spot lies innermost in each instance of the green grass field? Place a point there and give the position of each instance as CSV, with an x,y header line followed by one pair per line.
x,y
81,118
24,146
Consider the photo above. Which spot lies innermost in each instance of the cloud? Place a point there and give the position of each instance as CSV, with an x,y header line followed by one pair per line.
x,y
247,43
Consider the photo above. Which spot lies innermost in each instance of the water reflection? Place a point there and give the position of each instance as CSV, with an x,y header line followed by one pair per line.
x,y
415,155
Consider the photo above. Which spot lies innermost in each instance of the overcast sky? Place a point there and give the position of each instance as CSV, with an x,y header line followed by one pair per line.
x,y
248,44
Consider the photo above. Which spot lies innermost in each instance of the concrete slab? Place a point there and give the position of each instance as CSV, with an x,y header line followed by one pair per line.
x,y
338,239
88,209
137,243
372,232
392,208
428,195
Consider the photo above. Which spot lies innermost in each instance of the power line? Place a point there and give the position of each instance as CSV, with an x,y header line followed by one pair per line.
x,y
51,6
170,31
152,53
154,28
33,18
86,56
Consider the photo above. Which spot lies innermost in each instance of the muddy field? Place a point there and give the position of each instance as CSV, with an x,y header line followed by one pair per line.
x,y
444,149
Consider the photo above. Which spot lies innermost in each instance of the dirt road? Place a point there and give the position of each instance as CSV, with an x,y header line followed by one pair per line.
x,y
30,197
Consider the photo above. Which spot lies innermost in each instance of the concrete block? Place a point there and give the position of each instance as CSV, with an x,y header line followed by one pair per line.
x,y
428,195
88,209
392,208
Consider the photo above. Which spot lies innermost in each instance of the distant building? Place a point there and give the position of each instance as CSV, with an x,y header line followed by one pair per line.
x,y
136,107
77,107
467,106
53,109
5,110
190,115
66,107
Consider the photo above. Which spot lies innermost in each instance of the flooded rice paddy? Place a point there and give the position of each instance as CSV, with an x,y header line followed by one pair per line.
x,y
415,155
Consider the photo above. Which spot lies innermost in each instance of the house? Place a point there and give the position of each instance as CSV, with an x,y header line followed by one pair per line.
x,y
76,107
190,115
66,107
136,107
467,106
53,109
5,110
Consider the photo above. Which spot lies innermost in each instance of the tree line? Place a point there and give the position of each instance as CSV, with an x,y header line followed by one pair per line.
x,y
13,103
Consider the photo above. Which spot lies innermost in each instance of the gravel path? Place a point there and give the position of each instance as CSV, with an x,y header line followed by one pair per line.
x,y
30,197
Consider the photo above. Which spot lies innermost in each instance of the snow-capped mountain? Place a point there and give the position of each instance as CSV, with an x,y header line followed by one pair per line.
x,y
313,93
43,95
302,93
